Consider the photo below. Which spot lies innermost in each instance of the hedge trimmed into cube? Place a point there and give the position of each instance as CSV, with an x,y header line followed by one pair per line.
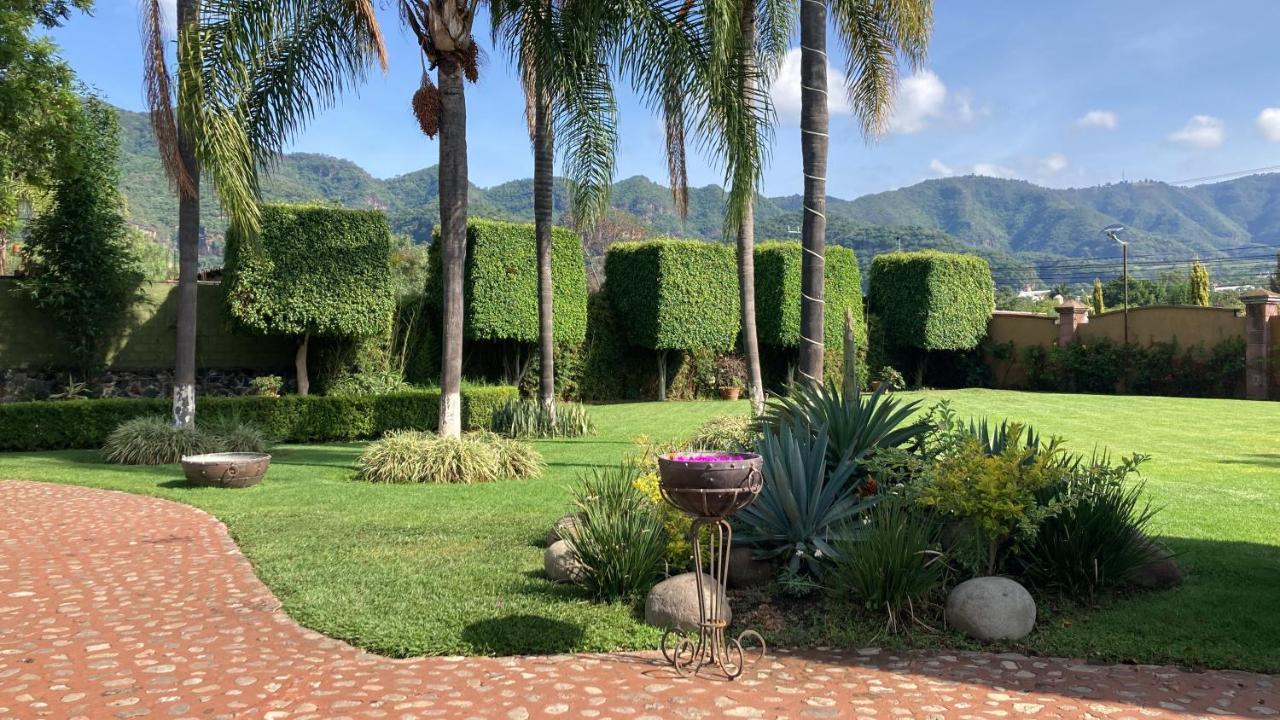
x,y
932,300
501,283
60,424
778,294
675,294
311,270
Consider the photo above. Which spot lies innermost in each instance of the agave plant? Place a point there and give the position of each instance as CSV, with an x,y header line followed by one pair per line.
x,y
855,425
804,507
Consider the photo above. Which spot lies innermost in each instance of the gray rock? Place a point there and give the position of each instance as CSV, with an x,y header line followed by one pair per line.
x,y
561,528
561,564
991,608
1160,573
673,603
745,571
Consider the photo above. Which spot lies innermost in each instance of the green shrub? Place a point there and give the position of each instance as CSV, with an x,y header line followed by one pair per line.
x,y
229,433
413,456
267,385
674,294
152,441
529,419
778,294
619,538
890,378
931,300
311,271
731,433
892,566
501,280
1163,368
369,382
54,425
804,507
1094,534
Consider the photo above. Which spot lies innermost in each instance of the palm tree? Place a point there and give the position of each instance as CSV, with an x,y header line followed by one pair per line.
x,y
443,30
876,34
250,73
561,53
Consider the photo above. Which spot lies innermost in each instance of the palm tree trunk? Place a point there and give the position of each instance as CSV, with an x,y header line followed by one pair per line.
x,y
184,366
747,230
813,150
453,241
543,199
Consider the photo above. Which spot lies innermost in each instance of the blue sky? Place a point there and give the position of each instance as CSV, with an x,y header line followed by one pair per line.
x,y
1061,94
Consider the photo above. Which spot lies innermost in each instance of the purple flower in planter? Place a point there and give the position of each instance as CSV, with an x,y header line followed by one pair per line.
x,y
709,457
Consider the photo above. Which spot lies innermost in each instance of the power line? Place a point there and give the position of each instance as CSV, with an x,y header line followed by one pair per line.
x,y
1224,176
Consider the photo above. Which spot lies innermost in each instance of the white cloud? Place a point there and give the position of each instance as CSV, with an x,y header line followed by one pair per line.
x,y
921,98
1269,123
1202,132
989,169
1105,119
1053,164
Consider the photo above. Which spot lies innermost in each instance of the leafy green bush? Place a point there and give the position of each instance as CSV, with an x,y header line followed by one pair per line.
x,y
267,385
1163,368
153,441
731,433
778,294
619,538
229,433
54,425
994,495
890,378
892,566
502,283
1094,534
804,507
931,300
853,426
311,271
675,294
529,419
369,382
414,456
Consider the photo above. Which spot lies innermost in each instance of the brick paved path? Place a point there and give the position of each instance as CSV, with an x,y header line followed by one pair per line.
x,y
119,606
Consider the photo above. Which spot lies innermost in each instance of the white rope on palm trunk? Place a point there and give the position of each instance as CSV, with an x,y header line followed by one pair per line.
x,y
817,256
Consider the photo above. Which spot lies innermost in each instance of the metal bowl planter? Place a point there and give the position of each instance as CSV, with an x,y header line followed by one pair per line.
x,y
710,487
710,484
228,470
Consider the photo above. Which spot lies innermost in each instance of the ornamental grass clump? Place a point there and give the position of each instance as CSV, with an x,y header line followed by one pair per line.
x,y
228,433
413,456
731,433
530,419
893,567
153,441
619,538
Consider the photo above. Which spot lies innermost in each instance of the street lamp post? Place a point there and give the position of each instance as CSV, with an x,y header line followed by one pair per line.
x,y
1112,231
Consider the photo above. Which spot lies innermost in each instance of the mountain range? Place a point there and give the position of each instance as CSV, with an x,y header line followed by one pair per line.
x,y
1028,232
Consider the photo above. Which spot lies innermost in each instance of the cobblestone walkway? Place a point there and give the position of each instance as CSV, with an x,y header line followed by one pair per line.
x,y
120,606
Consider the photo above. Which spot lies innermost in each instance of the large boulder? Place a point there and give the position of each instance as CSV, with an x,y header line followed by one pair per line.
x,y
561,563
673,603
1161,572
991,608
745,571
562,529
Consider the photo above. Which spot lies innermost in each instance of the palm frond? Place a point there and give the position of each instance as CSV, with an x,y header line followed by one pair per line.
x,y
159,91
874,34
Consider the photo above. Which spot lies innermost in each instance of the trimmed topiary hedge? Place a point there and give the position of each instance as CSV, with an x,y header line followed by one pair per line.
x,y
674,294
932,300
778,294
59,424
502,283
312,269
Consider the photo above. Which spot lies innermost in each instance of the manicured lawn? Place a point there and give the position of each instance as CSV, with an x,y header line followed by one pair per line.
x,y
406,570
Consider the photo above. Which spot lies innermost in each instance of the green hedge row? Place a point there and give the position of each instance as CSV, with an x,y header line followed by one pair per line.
x,y
312,269
674,294
778,294
59,424
932,300
501,286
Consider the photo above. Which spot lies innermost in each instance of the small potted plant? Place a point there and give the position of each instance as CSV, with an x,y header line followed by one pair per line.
x,y
731,376
889,379
267,385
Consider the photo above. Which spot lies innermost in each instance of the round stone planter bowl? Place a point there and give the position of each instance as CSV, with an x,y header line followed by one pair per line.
x,y
228,470
710,484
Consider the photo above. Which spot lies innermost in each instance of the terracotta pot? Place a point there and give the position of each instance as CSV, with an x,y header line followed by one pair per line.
x,y
730,393
229,470
710,488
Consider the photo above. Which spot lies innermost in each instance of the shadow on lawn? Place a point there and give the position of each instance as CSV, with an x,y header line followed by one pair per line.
x,y
1261,459
523,634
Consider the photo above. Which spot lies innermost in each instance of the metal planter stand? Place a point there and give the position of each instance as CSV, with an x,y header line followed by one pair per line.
x,y
711,491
